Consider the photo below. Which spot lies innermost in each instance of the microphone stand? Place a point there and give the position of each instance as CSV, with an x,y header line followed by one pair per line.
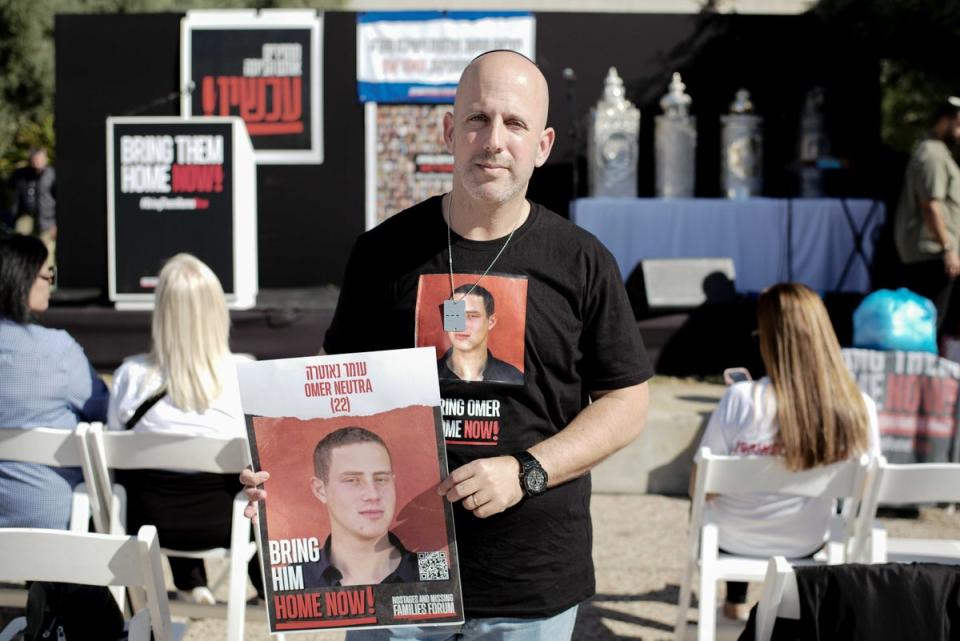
x,y
157,102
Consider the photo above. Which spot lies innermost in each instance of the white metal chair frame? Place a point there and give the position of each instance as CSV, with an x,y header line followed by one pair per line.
x,y
57,448
906,484
140,450
760,474
780,597
93,559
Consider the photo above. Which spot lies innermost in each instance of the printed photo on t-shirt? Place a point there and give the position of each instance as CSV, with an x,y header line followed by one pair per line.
x,y
484,343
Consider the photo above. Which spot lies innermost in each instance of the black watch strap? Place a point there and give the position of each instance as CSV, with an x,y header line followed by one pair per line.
x,y
525,459
533,478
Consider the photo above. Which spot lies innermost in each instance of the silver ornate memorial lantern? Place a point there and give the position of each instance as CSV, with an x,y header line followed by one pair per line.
x,y
741,149
612,142
675,142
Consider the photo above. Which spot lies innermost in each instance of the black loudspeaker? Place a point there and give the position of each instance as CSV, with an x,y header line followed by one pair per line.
x,y
674,284
714,333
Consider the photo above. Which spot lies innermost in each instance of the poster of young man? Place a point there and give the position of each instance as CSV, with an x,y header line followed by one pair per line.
x,y
353,533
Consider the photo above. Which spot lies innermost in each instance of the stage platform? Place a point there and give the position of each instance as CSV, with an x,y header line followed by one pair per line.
x,y
291,322
285,323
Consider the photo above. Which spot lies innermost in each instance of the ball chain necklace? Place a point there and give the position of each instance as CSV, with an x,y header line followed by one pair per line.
x,y
455,311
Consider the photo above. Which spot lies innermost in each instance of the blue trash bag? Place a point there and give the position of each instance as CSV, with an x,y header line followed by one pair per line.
x,y
896,320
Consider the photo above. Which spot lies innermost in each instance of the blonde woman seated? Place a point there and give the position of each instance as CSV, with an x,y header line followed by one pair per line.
x,y
807,409
186,385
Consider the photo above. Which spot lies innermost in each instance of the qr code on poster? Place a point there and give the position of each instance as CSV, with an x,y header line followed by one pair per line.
x,y
433,566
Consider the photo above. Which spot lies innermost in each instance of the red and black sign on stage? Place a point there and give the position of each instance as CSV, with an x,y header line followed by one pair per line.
x,y
176,185
264,67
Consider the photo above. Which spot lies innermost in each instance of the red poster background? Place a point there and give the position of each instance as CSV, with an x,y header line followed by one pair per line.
x,y
509,293
286,445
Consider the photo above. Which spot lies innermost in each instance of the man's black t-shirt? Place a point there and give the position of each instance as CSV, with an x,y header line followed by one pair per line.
x,y
560,290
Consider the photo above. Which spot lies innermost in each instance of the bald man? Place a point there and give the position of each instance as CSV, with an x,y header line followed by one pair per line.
x,y
521,491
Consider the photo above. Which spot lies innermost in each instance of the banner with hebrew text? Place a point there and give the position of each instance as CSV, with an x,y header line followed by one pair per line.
x,y
418,56
264,67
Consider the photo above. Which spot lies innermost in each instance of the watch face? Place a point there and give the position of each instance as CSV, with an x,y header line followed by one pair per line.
x,y
535,480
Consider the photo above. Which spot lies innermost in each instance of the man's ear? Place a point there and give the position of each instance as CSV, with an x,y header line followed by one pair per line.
x,y
546,144
492,321
448,130
318,488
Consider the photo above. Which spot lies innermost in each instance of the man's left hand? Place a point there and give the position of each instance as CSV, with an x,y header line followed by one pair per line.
x,y
951,263
486,486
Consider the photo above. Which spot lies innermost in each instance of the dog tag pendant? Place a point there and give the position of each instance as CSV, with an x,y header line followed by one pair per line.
x,y
454,315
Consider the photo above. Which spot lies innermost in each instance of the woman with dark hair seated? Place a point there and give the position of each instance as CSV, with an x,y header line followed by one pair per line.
x,y
45,381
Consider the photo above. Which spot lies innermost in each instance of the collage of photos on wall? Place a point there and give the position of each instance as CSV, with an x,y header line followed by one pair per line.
x,y
413,162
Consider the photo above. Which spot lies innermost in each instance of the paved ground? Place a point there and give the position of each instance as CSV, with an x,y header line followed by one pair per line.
x,y
639,538
638,552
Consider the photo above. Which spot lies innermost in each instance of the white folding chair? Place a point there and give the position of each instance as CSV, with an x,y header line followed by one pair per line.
x,y
57,448
906,484
760,474
780,597
93,559
144,450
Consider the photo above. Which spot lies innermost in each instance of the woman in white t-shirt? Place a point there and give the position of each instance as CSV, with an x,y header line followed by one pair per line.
x,y
808,409
186,385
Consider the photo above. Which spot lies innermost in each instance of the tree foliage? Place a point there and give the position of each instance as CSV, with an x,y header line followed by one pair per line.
x,y
26,78
917,41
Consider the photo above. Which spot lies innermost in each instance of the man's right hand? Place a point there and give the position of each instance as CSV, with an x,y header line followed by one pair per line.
x,y
951,264
251,480
485,486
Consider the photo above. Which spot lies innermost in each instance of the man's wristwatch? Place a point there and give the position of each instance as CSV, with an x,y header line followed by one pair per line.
x,y
533,478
